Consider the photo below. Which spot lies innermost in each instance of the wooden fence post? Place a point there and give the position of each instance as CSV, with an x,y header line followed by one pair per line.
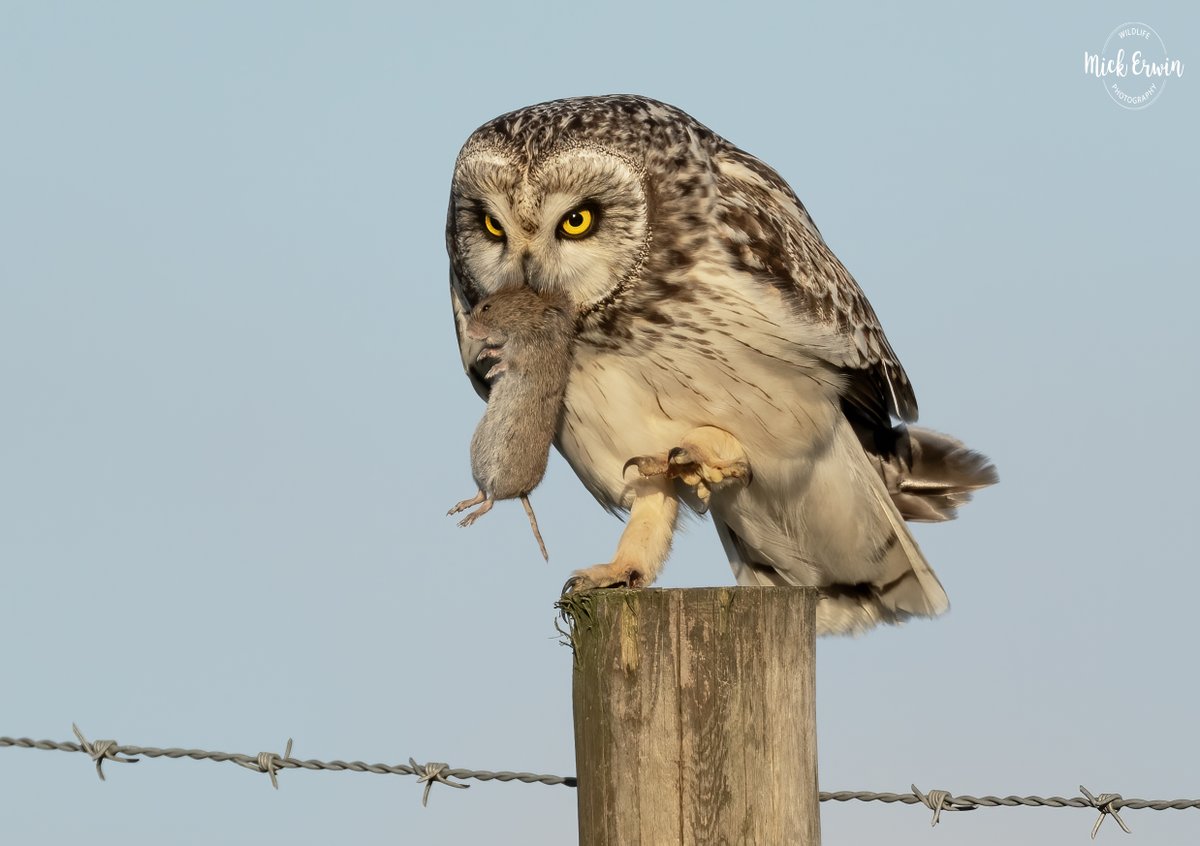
x,y
695,718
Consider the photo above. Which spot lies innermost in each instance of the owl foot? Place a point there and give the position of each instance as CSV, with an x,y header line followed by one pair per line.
x,y
496,369
645,542
604,576
480,497
705,458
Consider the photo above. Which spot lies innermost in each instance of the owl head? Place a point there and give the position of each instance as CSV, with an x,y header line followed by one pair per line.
x,y
575,197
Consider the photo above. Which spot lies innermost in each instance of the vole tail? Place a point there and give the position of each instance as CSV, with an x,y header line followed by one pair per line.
x,y
533,525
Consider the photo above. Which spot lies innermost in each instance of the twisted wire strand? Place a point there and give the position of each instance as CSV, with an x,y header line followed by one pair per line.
x,y
287,763
971,802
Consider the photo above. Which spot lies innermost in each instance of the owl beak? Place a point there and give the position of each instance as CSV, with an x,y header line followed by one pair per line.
x,y
531,274
527,271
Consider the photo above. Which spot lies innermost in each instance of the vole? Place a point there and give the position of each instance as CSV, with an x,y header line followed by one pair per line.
x,y
530,335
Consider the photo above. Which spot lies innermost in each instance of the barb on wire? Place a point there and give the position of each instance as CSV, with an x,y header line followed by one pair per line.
x,y
432,773
938,801
100,751
268,762
1108,805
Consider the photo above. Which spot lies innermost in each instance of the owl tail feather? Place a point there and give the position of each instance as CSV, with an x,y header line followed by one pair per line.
x,y
936,475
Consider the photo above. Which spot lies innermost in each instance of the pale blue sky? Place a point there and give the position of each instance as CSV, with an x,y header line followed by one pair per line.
x,y
234,416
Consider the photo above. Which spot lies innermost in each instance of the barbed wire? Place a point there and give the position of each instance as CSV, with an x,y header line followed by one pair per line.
x,y
272,764
1108,804
428,774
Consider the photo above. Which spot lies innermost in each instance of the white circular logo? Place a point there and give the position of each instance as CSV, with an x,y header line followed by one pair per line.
x,y
1133,65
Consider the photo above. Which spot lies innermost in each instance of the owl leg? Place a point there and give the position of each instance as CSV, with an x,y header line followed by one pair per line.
x,y
477,513
644,544
706,457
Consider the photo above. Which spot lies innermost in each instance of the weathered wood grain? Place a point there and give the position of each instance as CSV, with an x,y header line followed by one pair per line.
x,y
695,717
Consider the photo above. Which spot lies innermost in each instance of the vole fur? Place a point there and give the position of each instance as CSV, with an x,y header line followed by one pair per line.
x,y
530,336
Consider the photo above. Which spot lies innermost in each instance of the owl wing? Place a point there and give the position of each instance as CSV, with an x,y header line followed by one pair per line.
x,y
771,236
468,349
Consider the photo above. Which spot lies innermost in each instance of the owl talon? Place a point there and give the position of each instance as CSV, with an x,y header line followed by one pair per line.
x,y
580,584
707,457
604,576
647,465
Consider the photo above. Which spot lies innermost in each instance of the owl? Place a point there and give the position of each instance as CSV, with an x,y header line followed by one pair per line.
x,y
724,361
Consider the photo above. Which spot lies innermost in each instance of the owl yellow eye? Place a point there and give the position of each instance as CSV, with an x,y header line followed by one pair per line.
x,y
492,227
577,223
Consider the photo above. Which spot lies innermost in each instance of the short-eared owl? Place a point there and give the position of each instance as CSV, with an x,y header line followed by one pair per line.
x,y
724,357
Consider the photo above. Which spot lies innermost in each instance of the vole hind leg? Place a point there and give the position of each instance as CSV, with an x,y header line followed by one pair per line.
x,y
467,503
477,513
480,497
644,544
705,457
